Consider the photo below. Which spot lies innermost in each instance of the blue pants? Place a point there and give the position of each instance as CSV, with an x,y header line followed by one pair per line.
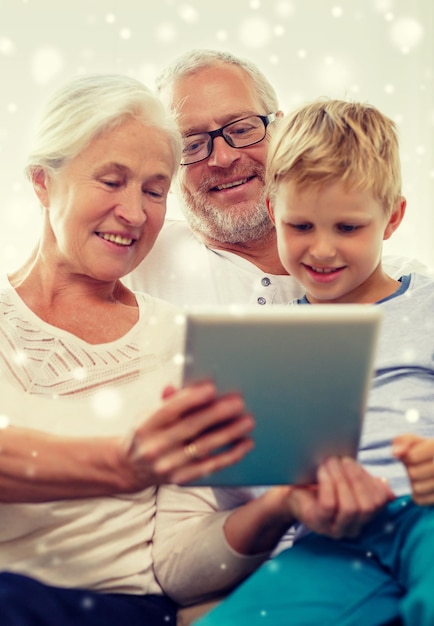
x,y
27,602
384,576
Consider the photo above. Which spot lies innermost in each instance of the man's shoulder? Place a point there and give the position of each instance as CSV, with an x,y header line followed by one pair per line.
x,y
177,232
174,237
176,244
176,257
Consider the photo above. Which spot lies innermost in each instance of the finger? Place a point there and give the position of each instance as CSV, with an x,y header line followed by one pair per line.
x,y
421,471
370,495
224,434
348,477
180,402
423,489
327,495
358,495
423,494
370,492
201,468
167,427
156,446
341,483
321,508
202,447
424,500
211,419
421,451
403,443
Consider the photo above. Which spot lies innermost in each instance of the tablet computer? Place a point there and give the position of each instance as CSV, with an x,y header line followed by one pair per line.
x,y
304,372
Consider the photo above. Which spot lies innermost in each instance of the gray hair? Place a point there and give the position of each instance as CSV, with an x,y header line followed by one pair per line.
x,y
197,59
88,106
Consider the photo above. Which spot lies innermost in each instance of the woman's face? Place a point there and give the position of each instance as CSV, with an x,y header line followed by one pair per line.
x,y
105,208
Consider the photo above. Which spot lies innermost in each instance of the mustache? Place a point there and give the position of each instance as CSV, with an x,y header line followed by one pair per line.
x,y
235,173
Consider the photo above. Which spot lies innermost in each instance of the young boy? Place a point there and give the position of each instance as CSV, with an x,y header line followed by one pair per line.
x,y
334,194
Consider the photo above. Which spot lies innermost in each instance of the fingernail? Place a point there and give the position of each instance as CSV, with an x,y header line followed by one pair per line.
x,y
397,450
235,404
207,389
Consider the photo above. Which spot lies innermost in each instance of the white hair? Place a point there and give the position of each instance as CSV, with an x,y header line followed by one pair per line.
x,y
89,106
197,59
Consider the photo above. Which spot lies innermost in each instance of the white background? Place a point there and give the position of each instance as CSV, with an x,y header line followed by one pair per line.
x,y
377,51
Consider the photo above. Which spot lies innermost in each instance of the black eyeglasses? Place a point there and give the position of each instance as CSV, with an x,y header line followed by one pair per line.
x,y
239,134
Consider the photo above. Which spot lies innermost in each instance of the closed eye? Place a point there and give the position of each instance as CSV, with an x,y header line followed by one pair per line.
x,y
303,228
111,183
157,194
348,228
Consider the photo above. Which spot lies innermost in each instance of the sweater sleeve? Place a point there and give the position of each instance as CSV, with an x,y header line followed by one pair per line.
x,y
192,558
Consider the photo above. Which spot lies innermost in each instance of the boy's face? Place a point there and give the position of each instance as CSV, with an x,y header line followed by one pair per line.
x,y
331,239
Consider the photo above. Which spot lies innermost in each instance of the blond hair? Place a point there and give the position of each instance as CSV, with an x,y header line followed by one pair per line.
x,y
329,140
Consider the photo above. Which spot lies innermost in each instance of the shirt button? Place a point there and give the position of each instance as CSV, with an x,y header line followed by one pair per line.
x,y
262,300
265,281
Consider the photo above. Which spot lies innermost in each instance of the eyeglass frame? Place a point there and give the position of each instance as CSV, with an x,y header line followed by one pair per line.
x,y
265,119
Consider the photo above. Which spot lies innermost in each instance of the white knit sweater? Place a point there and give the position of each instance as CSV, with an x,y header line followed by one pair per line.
x,y
52,381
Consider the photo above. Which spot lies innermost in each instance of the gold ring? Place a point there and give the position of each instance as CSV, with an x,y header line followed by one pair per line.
x,y
191,451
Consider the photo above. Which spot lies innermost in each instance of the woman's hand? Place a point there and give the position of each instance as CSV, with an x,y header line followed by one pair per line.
x,y
194,432
417,454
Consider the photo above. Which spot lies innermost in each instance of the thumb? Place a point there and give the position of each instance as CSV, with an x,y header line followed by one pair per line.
x,y
402,444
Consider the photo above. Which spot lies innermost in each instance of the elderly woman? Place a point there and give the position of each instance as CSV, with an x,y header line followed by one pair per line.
x,y
84,364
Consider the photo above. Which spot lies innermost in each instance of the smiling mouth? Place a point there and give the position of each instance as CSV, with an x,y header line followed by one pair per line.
x,y
117,239
235,183
324,270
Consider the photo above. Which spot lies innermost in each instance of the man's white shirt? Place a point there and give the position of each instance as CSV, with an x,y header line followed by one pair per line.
x,y
184,271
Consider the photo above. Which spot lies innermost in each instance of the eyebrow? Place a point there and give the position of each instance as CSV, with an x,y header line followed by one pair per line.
x,y
112,165
225,119
119,167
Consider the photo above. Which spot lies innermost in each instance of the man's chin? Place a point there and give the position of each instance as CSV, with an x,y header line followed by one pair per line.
x,y
238,232
238,224
245,236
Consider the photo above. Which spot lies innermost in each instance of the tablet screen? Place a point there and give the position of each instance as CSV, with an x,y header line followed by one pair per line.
x,y
304,372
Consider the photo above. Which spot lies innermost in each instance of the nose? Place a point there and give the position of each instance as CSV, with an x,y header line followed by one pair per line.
x,y
222,155
131,208
322,247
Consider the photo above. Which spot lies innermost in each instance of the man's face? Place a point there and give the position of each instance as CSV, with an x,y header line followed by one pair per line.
x,y
223,194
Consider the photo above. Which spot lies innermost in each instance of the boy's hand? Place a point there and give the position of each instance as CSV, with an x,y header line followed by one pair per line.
x,y
417,454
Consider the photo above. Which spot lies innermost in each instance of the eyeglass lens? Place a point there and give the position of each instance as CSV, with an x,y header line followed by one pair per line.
x,y
238,134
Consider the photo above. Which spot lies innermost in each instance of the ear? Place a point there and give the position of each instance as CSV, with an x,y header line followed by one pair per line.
x,y
270,209
280,114
40,180
395,218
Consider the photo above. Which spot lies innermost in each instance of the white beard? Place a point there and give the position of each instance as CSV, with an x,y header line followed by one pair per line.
x,y
249,222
